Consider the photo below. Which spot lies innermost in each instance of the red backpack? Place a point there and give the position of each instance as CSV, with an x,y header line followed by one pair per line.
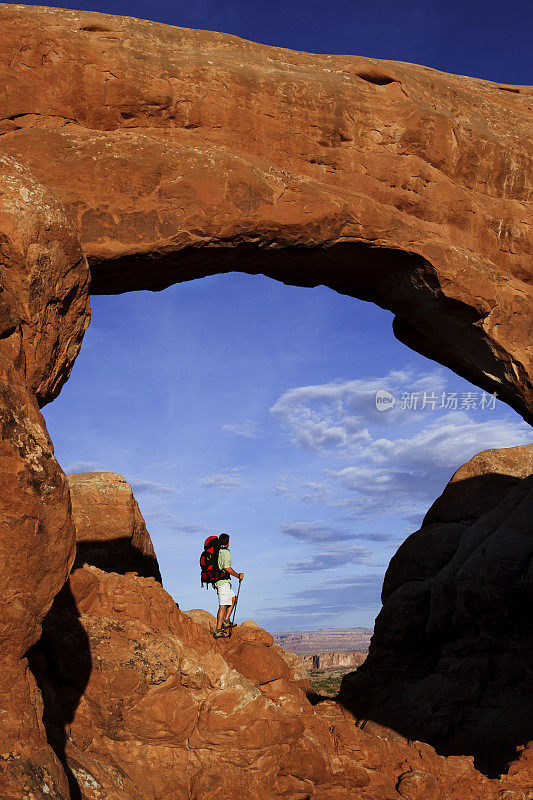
x,y
209,562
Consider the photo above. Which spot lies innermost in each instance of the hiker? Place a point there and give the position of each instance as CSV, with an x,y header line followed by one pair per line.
x,y
226,595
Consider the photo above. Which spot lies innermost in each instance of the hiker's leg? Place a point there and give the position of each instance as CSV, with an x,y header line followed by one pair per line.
x,y
230,608
221,616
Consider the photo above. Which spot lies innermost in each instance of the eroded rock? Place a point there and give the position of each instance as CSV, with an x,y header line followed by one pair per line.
x,y
110,530
44,282
450,659
36,552
393,183
183,153
141,702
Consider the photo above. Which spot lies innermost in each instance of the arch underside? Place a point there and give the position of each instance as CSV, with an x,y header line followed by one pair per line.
x,y
201,153
400,281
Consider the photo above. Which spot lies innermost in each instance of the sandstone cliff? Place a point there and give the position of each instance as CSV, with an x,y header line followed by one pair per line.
x,y
110,530
450,661
341,639
152,155
140,702
332,660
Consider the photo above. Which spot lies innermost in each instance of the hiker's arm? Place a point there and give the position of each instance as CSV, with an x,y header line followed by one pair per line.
x,y
239,575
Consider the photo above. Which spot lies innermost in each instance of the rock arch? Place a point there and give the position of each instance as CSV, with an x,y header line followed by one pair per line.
x,y
200,152
151,155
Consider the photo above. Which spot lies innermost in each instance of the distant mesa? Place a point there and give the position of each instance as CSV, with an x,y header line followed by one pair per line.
x,y
325,639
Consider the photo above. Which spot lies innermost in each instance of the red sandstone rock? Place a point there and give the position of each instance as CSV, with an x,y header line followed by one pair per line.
x,y
182,153
391,182
325,639
36,551
28,765
44,311
481,484
145,704
110,529
332,660
36,529
450,660
44,282
242,658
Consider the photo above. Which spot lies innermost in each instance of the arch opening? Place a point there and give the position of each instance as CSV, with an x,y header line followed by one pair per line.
x,y
310,530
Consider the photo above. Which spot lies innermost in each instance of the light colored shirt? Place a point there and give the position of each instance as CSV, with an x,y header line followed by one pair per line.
x,y
224,561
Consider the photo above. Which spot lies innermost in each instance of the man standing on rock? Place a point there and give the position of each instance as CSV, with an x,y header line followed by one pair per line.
x,y
226,595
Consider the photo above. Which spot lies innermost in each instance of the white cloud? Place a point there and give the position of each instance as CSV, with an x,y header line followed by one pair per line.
x,y
336,416
331,557
83,466
394,474
313,532
304,492
227,480
162,517
150,487
249,429
319,533
316,493
401,475
190,528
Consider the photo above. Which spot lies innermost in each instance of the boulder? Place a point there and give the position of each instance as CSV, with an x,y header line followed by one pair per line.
x,y
110,530
481,484
450,659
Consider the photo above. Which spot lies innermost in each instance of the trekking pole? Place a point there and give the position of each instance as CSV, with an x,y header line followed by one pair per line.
x,y
235,607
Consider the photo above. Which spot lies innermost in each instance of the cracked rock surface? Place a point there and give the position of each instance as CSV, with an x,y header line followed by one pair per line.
x,y
135,155
182,153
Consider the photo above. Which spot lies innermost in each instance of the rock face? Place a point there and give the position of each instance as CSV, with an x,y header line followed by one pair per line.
x,y
43,312
156,155
110,530
332,660
140,702
44,282
183,153
451,658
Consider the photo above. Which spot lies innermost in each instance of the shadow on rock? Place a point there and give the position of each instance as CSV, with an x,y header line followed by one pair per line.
x,y
450,662
117,555
61,663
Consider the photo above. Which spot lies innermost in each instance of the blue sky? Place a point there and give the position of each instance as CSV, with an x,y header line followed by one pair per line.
x,y
483,38
238,404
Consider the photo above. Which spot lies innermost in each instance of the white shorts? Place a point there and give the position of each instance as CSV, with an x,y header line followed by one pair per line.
x,y
225,594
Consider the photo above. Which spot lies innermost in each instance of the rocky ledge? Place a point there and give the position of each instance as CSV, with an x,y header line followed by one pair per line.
x,y
140,702
451,658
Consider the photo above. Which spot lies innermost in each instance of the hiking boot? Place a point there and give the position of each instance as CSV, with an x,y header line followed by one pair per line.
x,y
221,634
226,625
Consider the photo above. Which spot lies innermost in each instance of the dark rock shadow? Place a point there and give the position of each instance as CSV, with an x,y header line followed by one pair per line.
x,y
451,659
61,664
117,555
61,660
315,698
